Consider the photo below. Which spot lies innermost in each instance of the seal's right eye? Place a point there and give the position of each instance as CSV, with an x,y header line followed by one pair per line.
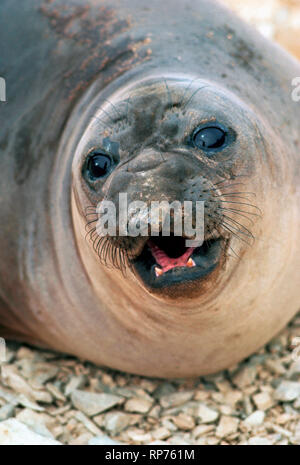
x,y
210,138
98,165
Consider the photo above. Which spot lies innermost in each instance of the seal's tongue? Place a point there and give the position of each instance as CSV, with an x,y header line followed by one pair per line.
x,y
166,262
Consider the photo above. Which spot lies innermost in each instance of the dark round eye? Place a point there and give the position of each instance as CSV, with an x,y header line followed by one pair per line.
x,y
209,138
98,165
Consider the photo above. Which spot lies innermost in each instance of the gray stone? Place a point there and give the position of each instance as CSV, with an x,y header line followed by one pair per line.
x,y
76,382
92,403
255,419
15,433
115,422
206,414
227,425
138,405
6,411
287,391
259,441
175,399
35,421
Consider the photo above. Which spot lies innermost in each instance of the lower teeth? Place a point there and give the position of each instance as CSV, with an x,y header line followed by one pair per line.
x,y
189,264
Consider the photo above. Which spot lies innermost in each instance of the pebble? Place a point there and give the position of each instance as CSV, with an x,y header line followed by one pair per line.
x,y
90,426
175,399
233,397
206,414
259,441
81,440
92,403
138,405
76,382
139,436
275,366
55,392
227,426
164,389
183,421
7,411
115,422
27,403
161,433
43,372
18,384
287,391
255,419
37,422
263,400
15,433
244,377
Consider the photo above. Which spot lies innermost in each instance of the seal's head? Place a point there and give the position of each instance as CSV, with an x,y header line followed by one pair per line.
x,y
170,140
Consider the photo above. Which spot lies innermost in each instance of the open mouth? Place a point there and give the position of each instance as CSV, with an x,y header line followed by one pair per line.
x,y
166,261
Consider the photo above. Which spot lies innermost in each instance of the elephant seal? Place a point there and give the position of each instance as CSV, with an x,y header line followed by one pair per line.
x,y
125,97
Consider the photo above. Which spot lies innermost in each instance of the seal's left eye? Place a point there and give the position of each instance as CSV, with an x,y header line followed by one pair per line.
x,y
209,138
98,165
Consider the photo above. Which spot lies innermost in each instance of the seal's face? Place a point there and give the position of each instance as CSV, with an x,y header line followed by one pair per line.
x,y
174,140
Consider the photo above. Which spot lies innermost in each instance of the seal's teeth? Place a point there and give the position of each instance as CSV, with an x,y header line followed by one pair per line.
x,y
158,271
190,263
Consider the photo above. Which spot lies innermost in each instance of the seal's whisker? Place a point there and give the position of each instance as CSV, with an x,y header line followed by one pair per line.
x,y
90,207
96,242
119,115
109,255
235,194
192,96
236,256
240,212
223,246
229,185
170,101
237,229
162,156
240,225
91,222
127,109
105,125
241,203
121,260
230,179
90,214
107,114
228,228
90,233
187,88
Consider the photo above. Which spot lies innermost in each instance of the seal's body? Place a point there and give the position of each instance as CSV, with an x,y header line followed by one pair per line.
x,y
167,101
